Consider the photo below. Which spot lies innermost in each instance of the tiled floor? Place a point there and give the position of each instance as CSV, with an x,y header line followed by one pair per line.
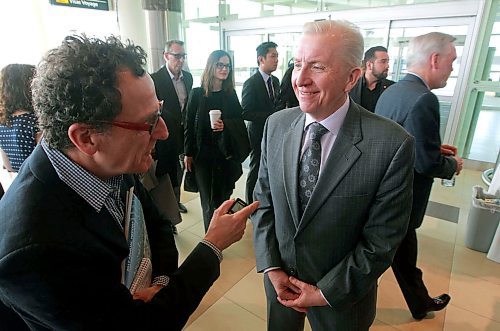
x,y
237,300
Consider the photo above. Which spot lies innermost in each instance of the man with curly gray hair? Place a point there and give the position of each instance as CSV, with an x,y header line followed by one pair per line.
x,y
81,244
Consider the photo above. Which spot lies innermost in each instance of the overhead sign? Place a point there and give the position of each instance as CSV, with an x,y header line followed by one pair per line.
x,y
87,4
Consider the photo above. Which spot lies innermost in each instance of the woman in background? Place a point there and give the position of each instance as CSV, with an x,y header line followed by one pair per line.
x,y
215,171
18,129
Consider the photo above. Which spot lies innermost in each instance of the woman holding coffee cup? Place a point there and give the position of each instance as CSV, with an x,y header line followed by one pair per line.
x,y
212,110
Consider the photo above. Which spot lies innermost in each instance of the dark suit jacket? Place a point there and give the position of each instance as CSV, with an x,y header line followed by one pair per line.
x,y
413,106
60,260
357,214
257,106
168,150
357,90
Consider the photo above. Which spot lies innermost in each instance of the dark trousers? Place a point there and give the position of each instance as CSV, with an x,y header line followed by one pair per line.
x,y
210,177
10,320
404,265
253,173
358,317
409,276
179,175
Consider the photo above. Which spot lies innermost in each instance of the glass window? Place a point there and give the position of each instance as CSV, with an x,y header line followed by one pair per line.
x,y
245,57
287,46
201,40
494,74
485,143
483,139
238,9
374,37
200,9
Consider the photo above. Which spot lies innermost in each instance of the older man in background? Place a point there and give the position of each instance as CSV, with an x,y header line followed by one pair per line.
x,y
173,85
411,104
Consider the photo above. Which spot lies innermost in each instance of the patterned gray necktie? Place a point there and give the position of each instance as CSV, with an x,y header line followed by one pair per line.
x,y
309,164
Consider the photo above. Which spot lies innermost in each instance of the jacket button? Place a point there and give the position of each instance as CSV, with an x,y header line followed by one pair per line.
x,y
293,272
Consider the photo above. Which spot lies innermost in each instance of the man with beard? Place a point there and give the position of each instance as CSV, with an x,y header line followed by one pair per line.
x,y
371,85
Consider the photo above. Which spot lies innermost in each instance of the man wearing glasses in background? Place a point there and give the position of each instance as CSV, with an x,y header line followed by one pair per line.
x,y
69,222
173,85
374,80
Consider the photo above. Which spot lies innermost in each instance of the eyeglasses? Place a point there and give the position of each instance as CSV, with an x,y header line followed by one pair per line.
x,y
178,56
149,126
221,66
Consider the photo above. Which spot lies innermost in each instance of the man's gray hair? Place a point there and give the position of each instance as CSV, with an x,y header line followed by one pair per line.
x,y
169,44
422,47
352,40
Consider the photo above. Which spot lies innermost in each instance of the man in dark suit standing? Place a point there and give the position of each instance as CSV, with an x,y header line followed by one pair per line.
x,y
259,96
323,242
173,85
66,243
374,80
411,104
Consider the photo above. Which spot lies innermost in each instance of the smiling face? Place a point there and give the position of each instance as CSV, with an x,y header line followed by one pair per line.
x,y
321,78
129,151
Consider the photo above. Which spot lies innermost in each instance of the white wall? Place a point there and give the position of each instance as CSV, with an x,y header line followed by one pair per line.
x,y
29,28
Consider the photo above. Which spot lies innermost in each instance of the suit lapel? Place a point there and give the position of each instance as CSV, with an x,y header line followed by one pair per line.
x,y
292,143
188,84
343,155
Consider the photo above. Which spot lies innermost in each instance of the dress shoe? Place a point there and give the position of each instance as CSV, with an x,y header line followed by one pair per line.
x,y
438,303
182,208
174,229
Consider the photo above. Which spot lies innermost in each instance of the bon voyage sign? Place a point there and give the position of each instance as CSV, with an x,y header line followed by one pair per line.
x,y
88,4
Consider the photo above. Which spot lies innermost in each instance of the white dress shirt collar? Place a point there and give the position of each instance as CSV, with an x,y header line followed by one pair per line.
x,y
172,76
423,80
333,122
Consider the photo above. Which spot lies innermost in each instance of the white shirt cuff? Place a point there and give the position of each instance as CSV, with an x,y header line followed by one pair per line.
x,y
270,268
324,297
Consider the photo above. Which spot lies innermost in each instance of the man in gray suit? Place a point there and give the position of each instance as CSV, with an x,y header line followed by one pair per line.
x,y
411,103
323,244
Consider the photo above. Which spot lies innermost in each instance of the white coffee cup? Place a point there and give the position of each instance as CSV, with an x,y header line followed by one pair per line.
x,y
214,116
